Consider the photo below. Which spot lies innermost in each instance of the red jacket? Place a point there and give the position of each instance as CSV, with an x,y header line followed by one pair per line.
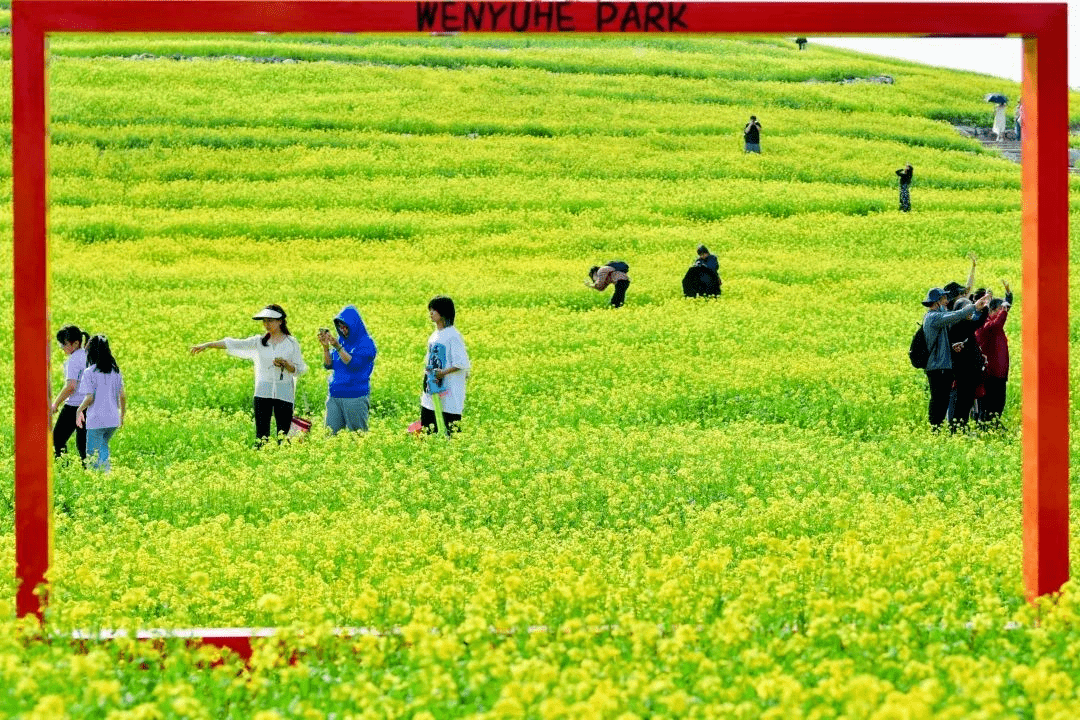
x,y
994,344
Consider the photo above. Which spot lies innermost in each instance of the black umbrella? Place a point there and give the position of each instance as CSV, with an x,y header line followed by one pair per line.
x,y
997,99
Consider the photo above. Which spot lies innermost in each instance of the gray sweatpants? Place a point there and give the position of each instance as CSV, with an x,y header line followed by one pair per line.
x,y
347,412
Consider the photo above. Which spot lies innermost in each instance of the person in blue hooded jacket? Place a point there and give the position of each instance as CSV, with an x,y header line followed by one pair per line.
x,y
350,355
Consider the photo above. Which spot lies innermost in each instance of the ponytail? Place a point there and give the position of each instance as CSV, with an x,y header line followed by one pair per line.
x,y
72,334
99,354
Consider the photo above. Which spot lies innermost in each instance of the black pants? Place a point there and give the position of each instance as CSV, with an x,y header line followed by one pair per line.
x,y
993,404
427,421
966,385
282,412
619,297
940,386
65,425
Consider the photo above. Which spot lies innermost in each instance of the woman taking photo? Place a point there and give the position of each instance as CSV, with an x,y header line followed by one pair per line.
x,y
278,362
72,341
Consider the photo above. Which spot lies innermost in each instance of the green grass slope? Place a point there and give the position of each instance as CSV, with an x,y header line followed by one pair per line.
x,y
725,508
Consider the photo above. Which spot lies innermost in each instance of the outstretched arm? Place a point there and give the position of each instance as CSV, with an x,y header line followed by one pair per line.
x,y
219,344
971,275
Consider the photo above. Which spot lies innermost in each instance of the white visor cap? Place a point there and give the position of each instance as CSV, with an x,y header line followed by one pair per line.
x,y
267,314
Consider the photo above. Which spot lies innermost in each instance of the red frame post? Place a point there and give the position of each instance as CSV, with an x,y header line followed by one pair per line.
x,y
1045,305
33,454
1045,189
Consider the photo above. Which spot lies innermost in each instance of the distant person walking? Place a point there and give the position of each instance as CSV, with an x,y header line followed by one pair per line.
x,y
752,135
72,341
446,368
350,355
104,402
999,122
905,174
615,272
1018,118
939,366
278,363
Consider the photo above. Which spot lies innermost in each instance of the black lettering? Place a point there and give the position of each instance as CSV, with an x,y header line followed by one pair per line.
x,y
605,13
631,16
566,20
425,15
543,10
450,23
654,13
474,12
675,18
526,11
496,11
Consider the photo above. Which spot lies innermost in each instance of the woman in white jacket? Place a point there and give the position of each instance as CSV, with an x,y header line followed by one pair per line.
x,y
278,363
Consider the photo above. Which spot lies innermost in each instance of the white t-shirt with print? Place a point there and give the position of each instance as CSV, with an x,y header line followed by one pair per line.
x,y
446,348
270,380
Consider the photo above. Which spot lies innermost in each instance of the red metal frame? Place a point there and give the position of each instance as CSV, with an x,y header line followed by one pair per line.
x,y
1045,189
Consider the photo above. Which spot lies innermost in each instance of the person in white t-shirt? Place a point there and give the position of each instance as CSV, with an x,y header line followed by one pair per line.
x,y
446,368
104,402
72,341
278,363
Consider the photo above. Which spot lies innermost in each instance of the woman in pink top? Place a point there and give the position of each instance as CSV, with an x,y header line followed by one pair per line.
x,y
102,410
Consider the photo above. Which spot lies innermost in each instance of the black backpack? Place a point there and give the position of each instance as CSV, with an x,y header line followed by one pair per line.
x,y
919,352
619,265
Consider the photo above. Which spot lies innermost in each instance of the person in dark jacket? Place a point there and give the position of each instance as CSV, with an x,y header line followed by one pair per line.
x,y
905,174
703,277
752,135
939,368
707,259
350,355
968,363
995,347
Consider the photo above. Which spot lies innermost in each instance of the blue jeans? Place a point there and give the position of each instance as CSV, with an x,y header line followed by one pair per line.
x,y
97,447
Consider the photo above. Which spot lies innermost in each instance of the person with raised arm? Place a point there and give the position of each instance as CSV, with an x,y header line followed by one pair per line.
x,y
278,362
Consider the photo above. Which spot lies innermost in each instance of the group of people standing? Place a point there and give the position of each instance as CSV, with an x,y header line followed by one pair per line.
x,y
92,403
968,363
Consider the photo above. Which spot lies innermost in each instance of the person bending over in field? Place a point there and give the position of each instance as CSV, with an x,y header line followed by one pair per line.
x,y
614,273
278,363
445,370
72,341
104,403
350,355
939,367
995,346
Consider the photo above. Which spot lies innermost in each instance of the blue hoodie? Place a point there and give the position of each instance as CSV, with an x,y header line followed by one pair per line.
x,y
352,380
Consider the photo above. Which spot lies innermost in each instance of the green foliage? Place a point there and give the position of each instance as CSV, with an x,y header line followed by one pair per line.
x,y
724,508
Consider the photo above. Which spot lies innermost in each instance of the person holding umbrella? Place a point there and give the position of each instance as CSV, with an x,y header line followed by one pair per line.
x,y
1000,101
